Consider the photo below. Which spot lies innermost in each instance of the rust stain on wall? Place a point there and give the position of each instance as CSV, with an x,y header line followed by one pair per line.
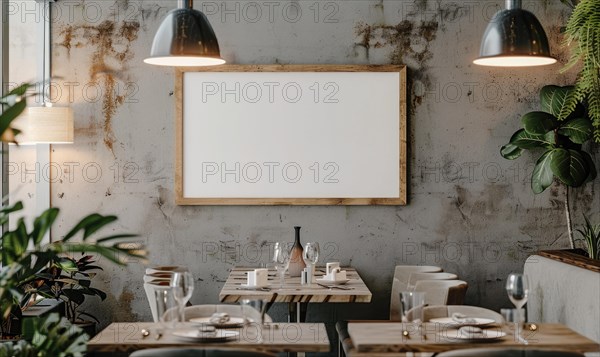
x,y
111,43
410,43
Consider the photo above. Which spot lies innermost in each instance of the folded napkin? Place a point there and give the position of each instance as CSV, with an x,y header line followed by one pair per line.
x,y
463,319
471,332
219,318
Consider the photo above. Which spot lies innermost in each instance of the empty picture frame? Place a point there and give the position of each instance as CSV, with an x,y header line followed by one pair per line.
x,y
291,135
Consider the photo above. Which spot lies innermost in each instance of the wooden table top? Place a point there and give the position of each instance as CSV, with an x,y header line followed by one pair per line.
x,y
279,337
386,337
293,291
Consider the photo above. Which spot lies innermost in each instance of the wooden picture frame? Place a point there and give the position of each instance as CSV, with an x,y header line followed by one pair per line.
x,y
180,161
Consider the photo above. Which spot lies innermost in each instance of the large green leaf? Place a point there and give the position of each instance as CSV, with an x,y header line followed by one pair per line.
x,y
89,225
524,140
578,130
555,100
539,123
510,152
42,224
11,113
542,173
569,166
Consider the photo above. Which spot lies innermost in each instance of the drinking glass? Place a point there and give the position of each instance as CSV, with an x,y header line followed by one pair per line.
x,y
517,287
281,258
311,257
249,309
166,308
182,283
410,301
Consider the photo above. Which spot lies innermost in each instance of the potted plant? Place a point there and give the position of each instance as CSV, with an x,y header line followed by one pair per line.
x,y
69,280
558,142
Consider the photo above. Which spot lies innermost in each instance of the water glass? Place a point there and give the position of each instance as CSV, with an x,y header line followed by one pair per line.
x,y
253,311
515,317
166,307
281,259
411,303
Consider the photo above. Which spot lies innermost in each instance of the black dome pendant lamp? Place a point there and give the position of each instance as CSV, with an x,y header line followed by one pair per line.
x,y
185,38
514,38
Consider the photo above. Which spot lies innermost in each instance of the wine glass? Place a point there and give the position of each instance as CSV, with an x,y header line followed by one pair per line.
x,y
182,283
311,257
517,287
281,258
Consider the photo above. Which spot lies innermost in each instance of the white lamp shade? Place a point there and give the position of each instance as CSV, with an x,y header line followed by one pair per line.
x,y
51,125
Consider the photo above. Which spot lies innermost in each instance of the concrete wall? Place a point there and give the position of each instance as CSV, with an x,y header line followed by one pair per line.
x,y
470,211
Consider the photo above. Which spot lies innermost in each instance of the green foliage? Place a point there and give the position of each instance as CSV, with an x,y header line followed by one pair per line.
x,y
582,36
591,236
21,266
49,336
13,104
559,140
69,280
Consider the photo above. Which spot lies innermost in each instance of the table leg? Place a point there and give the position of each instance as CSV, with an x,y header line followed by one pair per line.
x,y
297,313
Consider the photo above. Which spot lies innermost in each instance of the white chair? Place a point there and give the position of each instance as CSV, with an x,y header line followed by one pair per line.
x,y
150,288
402,272
400,283
207,310
414,277
443,292
437,311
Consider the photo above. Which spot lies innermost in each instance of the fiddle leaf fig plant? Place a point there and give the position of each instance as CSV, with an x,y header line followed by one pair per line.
x,y
558,142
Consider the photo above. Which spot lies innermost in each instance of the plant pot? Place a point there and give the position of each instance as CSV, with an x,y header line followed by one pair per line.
x,y
576,257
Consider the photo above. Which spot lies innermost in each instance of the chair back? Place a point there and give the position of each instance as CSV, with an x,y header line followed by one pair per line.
x,y
400,283
197,352
207,310
507,352
414,277
443,292
437,311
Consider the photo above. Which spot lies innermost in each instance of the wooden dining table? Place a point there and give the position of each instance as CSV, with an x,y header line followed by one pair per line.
x,y
122,338
297,295
384,338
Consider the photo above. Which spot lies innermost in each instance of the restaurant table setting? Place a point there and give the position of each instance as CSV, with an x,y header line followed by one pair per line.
x,y
277,337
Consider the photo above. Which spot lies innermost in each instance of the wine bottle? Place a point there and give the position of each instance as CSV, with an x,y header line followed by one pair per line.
x,y
296,262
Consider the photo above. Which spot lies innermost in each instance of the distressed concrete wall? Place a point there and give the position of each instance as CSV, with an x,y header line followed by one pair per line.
x,y
470,211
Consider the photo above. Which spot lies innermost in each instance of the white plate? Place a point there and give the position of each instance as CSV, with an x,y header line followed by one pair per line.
x,y
489,334
479,321
233,322
193,334
332,282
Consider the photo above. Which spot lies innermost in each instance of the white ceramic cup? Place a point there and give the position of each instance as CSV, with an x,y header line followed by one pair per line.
x,y
330,267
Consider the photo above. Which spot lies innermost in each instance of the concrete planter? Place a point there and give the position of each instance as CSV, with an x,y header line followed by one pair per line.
x,y
565,289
